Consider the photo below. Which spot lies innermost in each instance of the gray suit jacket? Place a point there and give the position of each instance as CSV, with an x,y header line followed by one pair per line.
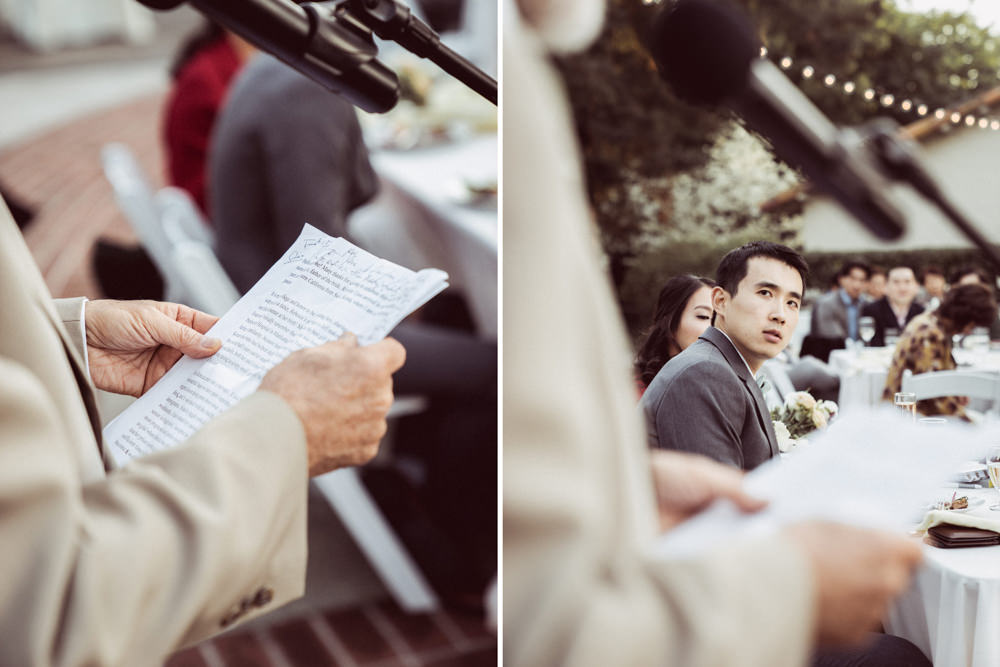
x,y
705,400
122,567
829,316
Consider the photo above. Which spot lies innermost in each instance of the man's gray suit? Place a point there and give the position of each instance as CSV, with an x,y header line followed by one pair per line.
x,y
829,316
705,400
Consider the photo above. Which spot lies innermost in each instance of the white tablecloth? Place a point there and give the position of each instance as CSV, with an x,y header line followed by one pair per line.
x,y
419,218
863,372
952,610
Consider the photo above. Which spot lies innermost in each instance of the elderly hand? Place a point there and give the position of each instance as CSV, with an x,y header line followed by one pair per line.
x,y
686,484
341,393
131,344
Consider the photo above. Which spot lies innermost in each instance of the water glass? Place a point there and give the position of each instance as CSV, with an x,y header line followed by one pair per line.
x,y
866,328
906,402
993,467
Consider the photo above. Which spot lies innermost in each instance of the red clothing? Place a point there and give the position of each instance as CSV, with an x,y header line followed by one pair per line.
x,y
198,93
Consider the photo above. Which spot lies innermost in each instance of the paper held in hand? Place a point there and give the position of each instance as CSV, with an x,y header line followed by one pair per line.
x,y
319,289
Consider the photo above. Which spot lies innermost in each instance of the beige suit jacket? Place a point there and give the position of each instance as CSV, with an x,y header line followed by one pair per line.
x,y
580,586
121,568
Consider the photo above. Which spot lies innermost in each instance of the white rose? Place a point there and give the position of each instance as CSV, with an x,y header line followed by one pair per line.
x,y
800,399
830,408
785,442
819,418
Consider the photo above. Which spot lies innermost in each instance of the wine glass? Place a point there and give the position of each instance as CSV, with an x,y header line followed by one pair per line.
x,y
891,336
907,403
866,328
993,467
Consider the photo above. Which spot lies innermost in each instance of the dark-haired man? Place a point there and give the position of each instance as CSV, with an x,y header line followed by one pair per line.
x,y
706,399
899,305
835,314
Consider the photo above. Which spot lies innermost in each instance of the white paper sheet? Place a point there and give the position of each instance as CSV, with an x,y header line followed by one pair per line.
x,y
319,289
872,469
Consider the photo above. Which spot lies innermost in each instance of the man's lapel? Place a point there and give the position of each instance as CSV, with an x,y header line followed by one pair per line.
x,y
724,345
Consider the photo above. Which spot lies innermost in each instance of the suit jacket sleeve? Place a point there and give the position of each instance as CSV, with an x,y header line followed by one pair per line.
x,y
703,412
123,570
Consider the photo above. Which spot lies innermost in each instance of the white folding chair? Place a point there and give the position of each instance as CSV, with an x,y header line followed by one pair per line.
x,y
371,531
135,198
954,383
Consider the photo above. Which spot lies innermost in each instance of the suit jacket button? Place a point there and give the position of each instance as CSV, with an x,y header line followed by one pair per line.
x,y
263,597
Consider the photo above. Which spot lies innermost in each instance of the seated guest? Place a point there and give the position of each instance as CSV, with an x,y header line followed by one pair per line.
x,y
835,314
970,275
285,151
202,71
926,344
706,399
875,287
933,288
897,308
683,312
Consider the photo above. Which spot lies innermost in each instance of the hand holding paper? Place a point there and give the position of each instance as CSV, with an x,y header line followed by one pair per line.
x,y
341,393
321,288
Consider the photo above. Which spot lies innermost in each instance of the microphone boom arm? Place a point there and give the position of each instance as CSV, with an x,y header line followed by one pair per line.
x,y
392,20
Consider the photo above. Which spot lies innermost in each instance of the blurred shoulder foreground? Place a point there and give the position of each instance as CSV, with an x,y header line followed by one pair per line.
x,y
579,509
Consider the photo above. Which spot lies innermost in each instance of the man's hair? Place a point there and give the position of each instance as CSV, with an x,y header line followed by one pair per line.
x,y
963,271
932,270
965,304
852,264
876,270
733,267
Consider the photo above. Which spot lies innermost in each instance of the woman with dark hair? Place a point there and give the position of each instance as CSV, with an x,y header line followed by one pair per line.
x,y
683,312
204,66
925,345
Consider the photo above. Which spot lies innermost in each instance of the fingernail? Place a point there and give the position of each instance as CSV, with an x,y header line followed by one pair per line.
x,y
210,343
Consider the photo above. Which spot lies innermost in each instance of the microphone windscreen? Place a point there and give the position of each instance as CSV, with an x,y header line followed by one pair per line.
x,y
703,49
161,5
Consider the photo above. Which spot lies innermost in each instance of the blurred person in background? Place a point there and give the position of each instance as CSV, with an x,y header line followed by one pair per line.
x,y
683,312
835,314
970,275
583,497
287,151
897,308
201,72
926,343
932,288
875,287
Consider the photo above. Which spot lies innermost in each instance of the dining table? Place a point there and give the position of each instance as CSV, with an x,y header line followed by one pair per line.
x,y
951,611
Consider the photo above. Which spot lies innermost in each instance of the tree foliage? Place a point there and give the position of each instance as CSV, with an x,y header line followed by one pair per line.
x,y
637,137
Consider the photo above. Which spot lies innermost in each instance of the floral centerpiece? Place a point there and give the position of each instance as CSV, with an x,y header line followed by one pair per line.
x,y
800,415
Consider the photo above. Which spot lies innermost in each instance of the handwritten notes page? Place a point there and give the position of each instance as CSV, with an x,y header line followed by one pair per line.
x,y
321,288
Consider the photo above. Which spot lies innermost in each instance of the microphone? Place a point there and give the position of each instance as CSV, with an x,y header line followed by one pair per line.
x,y
326,44
706,50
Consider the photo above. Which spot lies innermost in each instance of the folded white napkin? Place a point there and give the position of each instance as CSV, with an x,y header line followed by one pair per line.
x,y
934,517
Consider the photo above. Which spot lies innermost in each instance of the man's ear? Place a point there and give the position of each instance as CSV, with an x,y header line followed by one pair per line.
x,y
720,299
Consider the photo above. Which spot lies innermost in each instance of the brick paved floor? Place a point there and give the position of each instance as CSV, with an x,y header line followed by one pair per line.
x,y
59,172
377,634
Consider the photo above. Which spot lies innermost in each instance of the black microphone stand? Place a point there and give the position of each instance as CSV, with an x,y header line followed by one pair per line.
x,y
900,160
391,20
